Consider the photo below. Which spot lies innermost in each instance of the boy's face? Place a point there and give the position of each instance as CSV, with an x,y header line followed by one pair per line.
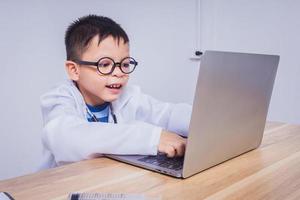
x,y
95,87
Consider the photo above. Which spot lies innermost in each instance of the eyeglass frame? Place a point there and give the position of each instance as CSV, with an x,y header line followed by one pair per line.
x,y
96,64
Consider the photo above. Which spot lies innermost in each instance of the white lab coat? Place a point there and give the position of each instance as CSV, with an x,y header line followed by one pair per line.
x,y
69,137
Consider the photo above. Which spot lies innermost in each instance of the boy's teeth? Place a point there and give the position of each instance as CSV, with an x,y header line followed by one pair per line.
x,y
114,86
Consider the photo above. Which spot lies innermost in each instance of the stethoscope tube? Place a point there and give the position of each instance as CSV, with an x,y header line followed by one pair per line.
x,y
113,114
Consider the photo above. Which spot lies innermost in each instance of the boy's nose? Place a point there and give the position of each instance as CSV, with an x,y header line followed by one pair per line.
x,y
117,71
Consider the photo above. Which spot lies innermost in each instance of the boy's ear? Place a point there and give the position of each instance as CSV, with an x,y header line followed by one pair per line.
x,y
72,69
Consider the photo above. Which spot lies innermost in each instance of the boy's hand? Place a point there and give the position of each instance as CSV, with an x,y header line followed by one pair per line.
x,y
171,144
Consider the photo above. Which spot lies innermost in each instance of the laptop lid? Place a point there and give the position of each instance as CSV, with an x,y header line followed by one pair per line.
x,y
230,107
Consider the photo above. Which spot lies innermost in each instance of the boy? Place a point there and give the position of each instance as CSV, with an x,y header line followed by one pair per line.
x,y
95,112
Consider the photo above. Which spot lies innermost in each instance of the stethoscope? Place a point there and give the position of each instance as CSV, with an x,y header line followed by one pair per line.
x,y
95,118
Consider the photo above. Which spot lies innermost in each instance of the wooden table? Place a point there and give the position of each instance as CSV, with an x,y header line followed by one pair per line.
x,y
270,172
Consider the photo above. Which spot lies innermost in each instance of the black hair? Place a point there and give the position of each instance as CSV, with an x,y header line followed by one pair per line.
x,y
82,30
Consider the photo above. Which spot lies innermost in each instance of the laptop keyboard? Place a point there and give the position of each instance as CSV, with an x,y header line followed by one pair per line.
x,y
162,160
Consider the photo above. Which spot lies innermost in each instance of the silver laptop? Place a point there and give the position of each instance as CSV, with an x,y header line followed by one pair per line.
x,y
229,113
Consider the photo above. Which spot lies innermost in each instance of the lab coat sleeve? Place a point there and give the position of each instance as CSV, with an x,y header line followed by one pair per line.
x,y
69,137
172,117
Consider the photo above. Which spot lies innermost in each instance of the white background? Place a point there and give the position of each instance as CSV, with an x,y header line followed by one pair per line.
x,y
260,26
163,38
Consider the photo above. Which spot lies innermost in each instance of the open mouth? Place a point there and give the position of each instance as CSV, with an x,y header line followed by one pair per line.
x,y
114,86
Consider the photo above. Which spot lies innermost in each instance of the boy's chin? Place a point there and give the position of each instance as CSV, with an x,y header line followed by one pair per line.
x,y
111,98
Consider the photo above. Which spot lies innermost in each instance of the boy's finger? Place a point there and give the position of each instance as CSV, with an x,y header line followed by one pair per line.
x,y
180,148
180,151
170,151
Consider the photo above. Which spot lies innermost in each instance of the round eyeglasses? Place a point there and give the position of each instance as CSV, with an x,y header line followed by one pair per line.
x,y
107,65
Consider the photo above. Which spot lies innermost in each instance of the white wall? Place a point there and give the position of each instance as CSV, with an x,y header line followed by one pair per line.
x,y
260,26
32,54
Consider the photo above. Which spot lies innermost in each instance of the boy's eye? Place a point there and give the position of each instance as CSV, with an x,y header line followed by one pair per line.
x,y
126,65
105,64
